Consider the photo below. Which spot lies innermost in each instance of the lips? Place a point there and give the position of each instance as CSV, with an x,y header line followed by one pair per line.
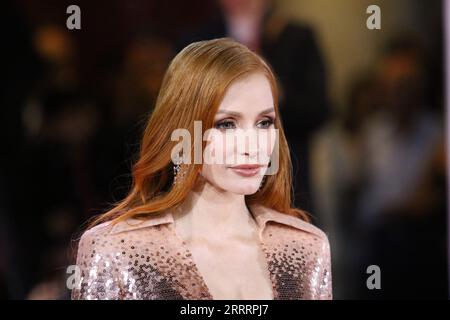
x,y
246,170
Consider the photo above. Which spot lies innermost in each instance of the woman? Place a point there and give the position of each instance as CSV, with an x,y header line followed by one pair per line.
x,y
193,227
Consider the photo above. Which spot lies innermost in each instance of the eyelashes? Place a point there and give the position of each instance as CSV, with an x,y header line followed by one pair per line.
x,y
224,125
268,122
231,124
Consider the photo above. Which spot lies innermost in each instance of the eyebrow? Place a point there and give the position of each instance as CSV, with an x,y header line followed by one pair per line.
x,y
238,114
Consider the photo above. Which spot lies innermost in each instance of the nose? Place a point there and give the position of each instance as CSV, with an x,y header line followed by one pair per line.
x,y
248,143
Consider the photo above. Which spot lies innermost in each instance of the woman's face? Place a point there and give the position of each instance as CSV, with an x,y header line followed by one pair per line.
x,y
243,134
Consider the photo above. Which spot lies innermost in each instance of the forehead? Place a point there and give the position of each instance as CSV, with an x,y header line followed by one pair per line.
x,y
252,92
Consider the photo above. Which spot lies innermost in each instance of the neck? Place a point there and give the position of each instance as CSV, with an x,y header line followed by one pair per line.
x,y
215,214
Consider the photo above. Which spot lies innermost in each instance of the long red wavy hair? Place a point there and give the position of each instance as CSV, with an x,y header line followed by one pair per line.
x,y
192,89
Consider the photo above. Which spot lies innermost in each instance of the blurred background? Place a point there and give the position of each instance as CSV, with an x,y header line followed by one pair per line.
x,y
363,110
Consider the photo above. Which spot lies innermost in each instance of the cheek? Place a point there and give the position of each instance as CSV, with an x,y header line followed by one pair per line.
x,y
220,149
266,144
214,156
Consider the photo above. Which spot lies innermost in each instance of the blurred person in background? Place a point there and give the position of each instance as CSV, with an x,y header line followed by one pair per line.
x,y
379,181
336,176
401,210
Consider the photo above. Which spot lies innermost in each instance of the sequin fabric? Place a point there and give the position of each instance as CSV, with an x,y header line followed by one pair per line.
x,y
147,260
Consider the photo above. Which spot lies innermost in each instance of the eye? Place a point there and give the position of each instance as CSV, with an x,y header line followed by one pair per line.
x,y
266,123
225,125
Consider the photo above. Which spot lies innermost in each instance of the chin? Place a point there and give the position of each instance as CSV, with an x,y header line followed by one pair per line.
x,y
245,190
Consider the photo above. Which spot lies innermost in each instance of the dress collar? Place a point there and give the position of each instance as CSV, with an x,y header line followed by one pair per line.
x,y
261,214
